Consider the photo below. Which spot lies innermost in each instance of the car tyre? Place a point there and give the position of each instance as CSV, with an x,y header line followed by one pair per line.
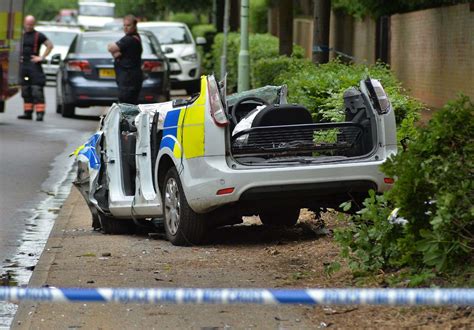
x,y
183,227
113,226
68,110
280,217
58,103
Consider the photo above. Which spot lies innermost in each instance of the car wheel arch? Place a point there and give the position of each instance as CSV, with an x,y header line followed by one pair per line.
x,y
162,166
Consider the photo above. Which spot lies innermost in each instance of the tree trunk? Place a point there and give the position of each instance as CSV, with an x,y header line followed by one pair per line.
x,y
306,7
219,15
322,14
285,23
342,34
234,18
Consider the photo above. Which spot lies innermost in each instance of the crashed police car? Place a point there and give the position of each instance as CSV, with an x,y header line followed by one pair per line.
x,y
197,163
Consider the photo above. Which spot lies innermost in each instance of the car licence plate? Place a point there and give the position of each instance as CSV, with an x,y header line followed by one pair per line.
x,y
106,73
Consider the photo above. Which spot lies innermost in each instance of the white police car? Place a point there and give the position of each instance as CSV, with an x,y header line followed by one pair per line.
x,y
189,164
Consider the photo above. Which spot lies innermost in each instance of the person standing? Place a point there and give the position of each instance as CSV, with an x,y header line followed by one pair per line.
x,y
32,75
127,53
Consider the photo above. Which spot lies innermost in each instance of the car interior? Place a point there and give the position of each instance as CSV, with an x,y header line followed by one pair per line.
x,y
286,132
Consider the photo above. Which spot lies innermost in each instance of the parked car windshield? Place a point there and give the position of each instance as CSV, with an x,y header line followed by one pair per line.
x,y
96,10
60,38
95,44
170,34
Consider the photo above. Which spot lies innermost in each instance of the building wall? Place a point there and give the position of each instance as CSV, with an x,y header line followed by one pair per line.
x,y
432,52
303,35
363,41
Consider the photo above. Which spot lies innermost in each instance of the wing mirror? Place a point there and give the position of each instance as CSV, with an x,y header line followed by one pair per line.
x,y
201,41
168,50
56,59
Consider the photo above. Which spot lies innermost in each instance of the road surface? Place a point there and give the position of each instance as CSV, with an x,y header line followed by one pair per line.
x,y
33,162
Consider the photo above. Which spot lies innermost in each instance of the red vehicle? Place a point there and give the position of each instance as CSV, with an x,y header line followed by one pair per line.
x,y
11,26
67,16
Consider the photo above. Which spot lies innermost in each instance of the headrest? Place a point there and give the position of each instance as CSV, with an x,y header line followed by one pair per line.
x,y
282,114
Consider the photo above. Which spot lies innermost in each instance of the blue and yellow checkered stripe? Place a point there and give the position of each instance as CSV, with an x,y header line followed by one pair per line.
x,y
183,129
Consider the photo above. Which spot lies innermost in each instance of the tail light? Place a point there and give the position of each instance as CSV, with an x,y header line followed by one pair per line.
x,y
378,96
79,66
153,66
217,108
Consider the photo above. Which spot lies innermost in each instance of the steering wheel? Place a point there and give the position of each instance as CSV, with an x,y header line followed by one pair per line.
x,y
243,100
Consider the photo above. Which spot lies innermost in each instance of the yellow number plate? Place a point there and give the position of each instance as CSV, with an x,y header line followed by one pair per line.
x,y
106,73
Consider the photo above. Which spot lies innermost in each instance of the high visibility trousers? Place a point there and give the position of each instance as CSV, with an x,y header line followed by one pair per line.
x,y
33,98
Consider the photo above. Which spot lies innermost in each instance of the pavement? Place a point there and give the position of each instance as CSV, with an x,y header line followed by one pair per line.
x,y
77,256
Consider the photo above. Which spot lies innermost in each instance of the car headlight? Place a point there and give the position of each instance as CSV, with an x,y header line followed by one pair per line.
x,y
190,58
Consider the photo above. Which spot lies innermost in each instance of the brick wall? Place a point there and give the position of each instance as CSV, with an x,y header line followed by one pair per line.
x,y
364,41
303,35
353,37
432,52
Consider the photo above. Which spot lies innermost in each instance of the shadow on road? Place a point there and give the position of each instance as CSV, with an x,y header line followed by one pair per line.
x,y
82,117
260,234
254,234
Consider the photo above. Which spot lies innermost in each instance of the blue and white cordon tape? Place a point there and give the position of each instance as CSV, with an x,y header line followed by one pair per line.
x,y
435,297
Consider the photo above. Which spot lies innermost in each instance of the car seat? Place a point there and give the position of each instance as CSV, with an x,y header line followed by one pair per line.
x,y
281,115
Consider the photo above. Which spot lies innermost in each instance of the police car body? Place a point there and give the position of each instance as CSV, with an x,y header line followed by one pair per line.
x,y
207,161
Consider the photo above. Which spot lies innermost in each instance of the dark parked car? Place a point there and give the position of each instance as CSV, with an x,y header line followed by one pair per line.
x,y
86,76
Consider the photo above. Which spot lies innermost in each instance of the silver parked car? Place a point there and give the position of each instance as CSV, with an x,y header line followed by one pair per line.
x,y
61,37
180,48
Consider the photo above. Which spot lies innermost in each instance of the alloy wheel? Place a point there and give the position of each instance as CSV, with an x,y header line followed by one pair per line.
x,y
172,206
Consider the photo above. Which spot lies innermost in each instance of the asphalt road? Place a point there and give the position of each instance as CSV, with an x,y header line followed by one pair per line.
x,y
34,161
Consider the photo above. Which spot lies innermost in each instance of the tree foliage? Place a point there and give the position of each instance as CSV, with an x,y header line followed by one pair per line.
x,y
158,9
150,9
377,8
45,10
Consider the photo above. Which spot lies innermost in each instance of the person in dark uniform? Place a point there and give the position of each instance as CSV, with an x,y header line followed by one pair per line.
x,y
127,53
32,76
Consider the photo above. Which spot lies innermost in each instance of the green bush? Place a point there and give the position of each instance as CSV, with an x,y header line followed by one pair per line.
x,y
258,16
370,241
435,188
434,191
207,31
190,19
265,71
320,87
202,30
261,46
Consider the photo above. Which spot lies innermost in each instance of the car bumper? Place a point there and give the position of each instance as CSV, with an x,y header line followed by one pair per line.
x,y
302,186
83,93
50,70
182,71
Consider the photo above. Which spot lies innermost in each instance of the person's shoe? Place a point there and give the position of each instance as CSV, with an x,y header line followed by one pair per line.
x,y
39,116
26,115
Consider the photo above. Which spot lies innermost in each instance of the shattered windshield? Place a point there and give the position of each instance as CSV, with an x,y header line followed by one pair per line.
x,y
271,94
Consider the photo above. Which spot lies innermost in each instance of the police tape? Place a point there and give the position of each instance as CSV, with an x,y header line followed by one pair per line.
x,y
435,297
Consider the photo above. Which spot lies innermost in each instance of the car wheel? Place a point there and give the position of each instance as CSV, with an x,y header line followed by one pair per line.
x,y
280,217
114,226
58,104
182,225
95,218
68,110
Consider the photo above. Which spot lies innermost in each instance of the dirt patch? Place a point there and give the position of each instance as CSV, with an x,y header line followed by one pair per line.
x,y
246,256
